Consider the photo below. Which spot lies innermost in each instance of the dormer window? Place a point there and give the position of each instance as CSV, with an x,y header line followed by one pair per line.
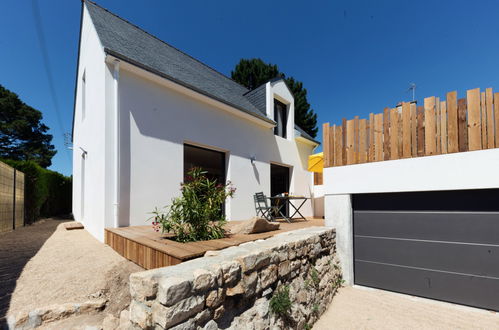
x,y
281,118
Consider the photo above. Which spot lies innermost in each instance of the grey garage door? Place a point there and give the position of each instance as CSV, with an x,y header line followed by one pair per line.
x,y
440,245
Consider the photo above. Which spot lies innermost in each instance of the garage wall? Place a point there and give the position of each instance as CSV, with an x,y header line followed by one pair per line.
x,y
458,171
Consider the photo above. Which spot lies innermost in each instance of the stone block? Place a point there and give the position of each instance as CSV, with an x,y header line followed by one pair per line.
x,y
267,276
169,316
203,280
140,314
172,289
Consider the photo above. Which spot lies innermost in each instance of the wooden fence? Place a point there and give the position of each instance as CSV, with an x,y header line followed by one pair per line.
x,y
409,130
11,198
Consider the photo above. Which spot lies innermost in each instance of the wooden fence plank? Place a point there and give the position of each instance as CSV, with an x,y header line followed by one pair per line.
x,y
378,137
421,134
462,125
356,140
414,130
400,143
371,137
443,127
332,142
344,139
452,120
362,141
474,123
350,142
394,133
429,106
437,122
489,102
338,146
386,134
483,120
325,144
496,117
406,130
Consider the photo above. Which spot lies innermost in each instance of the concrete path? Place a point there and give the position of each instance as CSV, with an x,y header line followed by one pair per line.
x,y
364,308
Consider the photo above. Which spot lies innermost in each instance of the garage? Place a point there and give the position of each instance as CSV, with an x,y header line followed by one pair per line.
x,y
442,245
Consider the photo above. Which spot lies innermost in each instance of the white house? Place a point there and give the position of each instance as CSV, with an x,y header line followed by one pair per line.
x,y
146,112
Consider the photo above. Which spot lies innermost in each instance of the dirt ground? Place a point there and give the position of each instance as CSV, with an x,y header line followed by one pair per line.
x,y
364,308
44,264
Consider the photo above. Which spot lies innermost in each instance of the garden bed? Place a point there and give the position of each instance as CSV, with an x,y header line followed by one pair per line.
x,y
150,249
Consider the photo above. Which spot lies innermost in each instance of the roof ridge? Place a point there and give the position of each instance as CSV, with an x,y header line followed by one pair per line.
x,y
166,43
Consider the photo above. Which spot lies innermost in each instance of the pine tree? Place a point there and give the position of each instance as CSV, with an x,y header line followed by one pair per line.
x,y
23,136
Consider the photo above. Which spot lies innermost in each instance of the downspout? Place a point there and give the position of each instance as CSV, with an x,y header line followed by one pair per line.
x,y
116,77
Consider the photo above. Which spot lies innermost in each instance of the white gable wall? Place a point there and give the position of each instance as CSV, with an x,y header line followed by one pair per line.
x,y
159,120
89,198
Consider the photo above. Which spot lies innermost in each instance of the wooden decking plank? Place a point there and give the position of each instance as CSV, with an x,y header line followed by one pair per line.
x,y
151,249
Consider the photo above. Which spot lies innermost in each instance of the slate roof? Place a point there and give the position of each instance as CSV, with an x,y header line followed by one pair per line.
x,y
257,97
128,42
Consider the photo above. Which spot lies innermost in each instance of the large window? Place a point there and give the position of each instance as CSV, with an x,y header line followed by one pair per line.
x,y
281,118
213,162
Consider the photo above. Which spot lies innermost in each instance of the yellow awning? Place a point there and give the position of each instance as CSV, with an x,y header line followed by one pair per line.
x,y
316,162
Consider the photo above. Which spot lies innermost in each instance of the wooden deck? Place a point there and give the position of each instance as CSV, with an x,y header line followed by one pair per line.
x,y
149,249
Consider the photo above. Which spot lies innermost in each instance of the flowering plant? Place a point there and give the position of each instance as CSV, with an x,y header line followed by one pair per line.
x,y
195,215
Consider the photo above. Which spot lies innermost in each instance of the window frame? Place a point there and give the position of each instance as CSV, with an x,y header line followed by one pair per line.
x,y
282,108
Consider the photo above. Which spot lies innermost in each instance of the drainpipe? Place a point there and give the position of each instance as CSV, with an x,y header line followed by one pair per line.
x,y
116,77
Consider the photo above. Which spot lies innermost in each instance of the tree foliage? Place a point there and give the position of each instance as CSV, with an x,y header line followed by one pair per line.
x,y
47,193
252,73
23,136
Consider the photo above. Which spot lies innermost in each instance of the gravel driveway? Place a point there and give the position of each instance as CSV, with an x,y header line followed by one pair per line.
x,y
45,264
16,249
364,308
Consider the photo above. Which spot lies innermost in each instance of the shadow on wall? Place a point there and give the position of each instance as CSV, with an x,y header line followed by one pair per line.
x,y
16,249
165,115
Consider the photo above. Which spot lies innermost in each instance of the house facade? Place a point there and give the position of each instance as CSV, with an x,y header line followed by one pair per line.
x,y
145,113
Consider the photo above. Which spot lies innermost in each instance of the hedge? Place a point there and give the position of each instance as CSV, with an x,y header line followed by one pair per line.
x,y
47,193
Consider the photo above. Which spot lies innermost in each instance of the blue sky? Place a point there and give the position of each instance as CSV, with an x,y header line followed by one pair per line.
x,y
354,57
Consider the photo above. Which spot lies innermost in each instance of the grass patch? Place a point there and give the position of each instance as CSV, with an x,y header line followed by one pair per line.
x,y
280,303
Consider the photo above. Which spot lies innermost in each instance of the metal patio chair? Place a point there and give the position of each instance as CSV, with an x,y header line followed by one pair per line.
x,y
262,207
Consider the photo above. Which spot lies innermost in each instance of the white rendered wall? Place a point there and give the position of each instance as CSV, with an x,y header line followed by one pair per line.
x,y
464,170
156,121
318,198
89,133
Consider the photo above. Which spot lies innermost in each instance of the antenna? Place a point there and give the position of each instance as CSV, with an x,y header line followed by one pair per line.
x,y
412,86
67,141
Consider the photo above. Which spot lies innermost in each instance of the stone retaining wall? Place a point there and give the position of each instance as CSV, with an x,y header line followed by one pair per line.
x,y
234,287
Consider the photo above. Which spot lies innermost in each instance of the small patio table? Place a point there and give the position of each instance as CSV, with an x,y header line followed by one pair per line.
x,y
286,200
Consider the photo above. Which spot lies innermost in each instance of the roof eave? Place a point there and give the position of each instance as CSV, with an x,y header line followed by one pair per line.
x,y
176,81
307,140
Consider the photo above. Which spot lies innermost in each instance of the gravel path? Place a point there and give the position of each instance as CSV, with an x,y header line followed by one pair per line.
x,y
363,308
16,249
45,264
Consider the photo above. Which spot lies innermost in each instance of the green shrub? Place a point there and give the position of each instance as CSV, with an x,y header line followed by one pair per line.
x,y
46,193
196,215
314,275
280,303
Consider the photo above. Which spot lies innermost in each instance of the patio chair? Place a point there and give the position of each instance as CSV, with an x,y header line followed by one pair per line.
x,y
262,207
